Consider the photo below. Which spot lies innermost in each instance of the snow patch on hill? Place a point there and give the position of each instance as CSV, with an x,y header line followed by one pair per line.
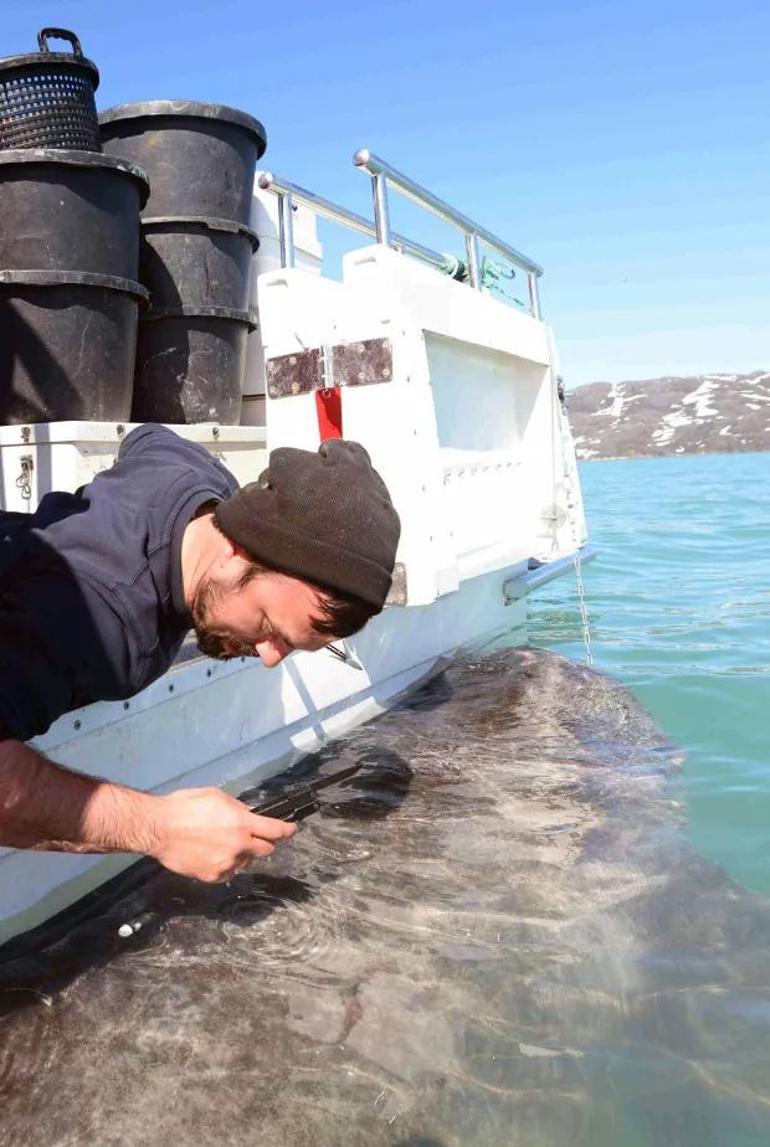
x,y
713,412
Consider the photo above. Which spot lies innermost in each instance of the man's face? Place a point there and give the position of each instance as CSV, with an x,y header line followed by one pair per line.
x,y
268,617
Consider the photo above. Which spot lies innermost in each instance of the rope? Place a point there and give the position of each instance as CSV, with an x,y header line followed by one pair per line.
x,y
572,504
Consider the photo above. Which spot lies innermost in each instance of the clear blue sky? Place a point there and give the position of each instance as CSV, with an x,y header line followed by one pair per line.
x,y
624,146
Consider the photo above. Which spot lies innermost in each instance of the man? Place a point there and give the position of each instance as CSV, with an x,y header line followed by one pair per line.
x,y
99,588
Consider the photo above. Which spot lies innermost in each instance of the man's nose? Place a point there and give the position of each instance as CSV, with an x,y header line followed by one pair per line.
x,y
271,653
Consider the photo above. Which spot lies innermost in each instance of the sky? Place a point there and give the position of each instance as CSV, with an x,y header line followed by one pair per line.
x,y
623,146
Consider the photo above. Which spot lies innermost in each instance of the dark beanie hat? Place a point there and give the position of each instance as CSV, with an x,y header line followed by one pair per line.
x,y
325,517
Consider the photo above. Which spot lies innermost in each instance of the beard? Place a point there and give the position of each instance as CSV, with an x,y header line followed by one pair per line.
x,y
215,642
221,646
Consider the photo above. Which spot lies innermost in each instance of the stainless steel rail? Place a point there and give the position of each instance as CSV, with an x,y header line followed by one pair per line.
x,y
383,173
290,193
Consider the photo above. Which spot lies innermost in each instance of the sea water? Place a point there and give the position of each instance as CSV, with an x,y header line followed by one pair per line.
x,y
679,602
536,918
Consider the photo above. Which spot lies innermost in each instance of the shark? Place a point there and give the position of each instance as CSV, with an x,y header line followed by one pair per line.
x,y
493,931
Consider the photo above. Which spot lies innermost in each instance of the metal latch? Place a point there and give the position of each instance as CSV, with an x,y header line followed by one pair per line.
x,y
24,480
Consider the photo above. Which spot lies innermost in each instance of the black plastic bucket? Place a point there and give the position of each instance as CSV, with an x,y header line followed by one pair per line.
x,y
189,365
67,343
200,157
65,209
189,262
47,98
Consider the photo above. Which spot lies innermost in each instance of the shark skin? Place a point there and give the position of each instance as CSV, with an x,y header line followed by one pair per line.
x,y
495,932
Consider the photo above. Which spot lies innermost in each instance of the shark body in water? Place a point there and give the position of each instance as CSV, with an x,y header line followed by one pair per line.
x,y
496,934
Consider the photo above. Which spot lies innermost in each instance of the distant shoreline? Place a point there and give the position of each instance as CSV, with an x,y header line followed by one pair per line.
x,y
658,457
671,416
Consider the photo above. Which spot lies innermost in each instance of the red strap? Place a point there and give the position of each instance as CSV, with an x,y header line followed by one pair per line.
x,y
328,405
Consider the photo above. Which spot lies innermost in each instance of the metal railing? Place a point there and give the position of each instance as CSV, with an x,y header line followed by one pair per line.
x,y
382,174
290,194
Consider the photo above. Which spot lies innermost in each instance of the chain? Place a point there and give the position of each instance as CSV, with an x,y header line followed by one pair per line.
x,y
561,426
582,605
577,561
572,507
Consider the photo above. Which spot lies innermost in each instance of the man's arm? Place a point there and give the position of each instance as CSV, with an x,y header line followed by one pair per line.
x,y
203,833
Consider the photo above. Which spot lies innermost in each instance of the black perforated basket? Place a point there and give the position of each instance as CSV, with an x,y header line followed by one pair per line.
x,y
47,98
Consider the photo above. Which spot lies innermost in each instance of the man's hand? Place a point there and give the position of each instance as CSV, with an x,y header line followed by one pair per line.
x,y
202,833
209,835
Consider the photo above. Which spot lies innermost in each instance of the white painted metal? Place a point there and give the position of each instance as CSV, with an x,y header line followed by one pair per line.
x,y
473,445
464,433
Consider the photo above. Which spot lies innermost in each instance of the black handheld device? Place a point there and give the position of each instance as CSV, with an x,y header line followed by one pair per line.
x,y
296,802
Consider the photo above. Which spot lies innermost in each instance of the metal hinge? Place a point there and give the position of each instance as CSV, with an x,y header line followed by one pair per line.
x,y
321,368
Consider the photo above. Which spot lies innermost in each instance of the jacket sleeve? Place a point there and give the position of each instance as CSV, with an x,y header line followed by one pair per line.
x,y
53,652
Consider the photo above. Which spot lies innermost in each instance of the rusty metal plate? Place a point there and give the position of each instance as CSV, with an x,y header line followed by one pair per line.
x,y
294,373
320,368
360,364
398,590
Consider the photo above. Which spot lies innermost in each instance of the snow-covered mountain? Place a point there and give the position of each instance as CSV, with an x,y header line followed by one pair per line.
x,y
697,415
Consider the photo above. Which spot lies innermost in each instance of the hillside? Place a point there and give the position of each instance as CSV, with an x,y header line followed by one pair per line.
x,y
700,414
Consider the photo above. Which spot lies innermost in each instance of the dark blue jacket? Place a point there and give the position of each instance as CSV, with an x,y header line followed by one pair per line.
x,y
91,601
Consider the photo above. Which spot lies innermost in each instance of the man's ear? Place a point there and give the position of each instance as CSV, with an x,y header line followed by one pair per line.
x,y
238,562
230,556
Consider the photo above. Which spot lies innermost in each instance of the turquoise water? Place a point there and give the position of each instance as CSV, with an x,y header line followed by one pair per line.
x,y
679,602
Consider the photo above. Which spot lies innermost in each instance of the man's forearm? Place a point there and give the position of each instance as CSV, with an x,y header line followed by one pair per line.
x,y
203,833
45,806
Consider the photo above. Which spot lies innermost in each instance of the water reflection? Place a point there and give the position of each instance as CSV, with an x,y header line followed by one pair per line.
x,y
495,934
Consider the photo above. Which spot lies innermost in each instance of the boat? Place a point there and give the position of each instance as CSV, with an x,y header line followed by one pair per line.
x,y
451,381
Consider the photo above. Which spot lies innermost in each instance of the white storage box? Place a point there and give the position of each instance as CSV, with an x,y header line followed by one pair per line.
x,y
44,456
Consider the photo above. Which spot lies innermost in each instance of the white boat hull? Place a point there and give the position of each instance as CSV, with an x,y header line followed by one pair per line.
x,y
236,724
